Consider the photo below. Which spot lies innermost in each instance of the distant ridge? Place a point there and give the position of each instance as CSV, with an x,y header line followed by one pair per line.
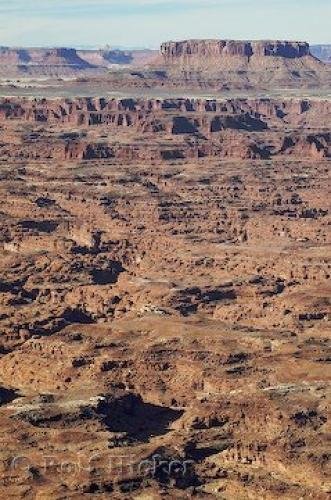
x,y
215,63
41,62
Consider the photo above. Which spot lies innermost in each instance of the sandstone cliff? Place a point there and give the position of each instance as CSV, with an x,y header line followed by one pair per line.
x,y
230,64
163,130
204,49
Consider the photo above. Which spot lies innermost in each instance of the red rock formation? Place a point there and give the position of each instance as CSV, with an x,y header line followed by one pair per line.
x,y
236,128
163,312
176,51
148,114
228,64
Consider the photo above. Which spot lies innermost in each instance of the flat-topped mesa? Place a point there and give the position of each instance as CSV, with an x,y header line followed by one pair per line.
x,y
30,57
177,51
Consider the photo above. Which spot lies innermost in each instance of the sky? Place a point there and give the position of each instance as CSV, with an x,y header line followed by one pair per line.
x,y
146,23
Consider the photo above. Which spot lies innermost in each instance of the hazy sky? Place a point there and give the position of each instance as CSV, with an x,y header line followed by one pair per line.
x,y
148,22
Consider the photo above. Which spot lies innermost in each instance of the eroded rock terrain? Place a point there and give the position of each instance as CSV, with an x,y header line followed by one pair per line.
x,y
163,129
164,298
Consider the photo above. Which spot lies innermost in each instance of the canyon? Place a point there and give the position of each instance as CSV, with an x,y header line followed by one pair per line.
x,y
165,273
130,129
164,298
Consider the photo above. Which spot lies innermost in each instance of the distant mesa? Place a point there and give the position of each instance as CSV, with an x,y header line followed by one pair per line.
x,y
110,58
172,51
41,62
233,64
41,57
214,64
57,62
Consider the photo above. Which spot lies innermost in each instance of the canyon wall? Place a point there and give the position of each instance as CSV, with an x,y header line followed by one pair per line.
x,y
254,113
163,130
